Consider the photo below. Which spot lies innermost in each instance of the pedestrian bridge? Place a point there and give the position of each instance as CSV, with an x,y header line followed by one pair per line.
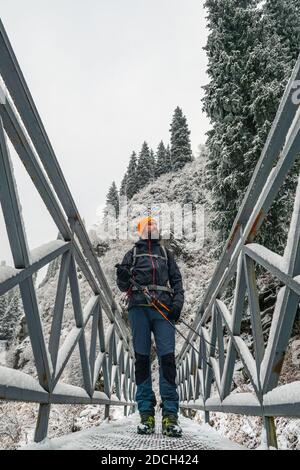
x,y
206,362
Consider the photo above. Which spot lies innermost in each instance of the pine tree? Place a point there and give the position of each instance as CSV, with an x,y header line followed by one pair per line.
x,y
131,176
281,24
123,187
181,151
169,159
162,166
226,102
247,78
112,199
202,155
144,173
284,19
152,164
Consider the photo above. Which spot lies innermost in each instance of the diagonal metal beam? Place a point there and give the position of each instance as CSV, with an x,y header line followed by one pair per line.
x,y
286,306
18,242
59,307
256,324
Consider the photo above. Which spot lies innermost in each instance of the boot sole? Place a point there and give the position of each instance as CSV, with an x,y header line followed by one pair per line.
x,y
169,434
145,433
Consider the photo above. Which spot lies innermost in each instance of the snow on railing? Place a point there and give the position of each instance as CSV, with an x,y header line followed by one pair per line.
x,y
108,357
206,379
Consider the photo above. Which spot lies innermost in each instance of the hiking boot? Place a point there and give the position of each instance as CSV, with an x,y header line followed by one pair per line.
x,y
147,424
170,426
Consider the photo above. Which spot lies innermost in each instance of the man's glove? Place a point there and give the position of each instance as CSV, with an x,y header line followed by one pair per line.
x,y
123,272
174,313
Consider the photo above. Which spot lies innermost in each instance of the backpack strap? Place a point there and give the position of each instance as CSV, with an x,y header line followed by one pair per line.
x,y
164,256
164,250
134,256
150,255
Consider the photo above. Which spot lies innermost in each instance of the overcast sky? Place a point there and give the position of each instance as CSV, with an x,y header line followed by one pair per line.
x,y
105,75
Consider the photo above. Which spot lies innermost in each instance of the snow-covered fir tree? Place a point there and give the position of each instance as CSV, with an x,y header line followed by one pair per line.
x,y
181,151
123,187
272,62
248,73
131,176
232,32
162,164
168,159
284,19
144,173
153,164
112,199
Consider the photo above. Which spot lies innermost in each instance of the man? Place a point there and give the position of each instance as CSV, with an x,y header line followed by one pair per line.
x,y
150,265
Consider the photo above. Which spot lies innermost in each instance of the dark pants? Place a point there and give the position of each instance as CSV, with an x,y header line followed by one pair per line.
x,y
143,321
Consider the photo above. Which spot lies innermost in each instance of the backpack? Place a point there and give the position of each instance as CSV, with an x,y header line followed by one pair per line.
x,y
164,256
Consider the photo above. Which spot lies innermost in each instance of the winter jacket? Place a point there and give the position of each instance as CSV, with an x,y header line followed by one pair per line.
x,y
147,270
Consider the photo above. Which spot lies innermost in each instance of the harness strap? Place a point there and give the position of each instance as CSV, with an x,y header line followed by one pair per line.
x,y
134,260
154,288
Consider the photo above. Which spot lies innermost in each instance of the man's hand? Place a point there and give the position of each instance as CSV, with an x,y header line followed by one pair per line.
x,y
174,313
123,272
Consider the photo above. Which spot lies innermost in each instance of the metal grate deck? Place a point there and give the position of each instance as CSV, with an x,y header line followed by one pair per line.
x,y
121,435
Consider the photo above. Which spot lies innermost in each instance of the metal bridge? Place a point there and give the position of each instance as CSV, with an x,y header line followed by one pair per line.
x,y
205,378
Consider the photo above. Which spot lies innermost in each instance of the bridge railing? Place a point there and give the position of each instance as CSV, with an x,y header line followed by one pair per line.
x,y
206,379
109,356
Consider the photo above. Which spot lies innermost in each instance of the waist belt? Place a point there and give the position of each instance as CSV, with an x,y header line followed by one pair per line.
x,y
154,287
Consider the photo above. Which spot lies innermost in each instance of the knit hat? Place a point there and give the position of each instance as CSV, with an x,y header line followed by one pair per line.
x,y
142,224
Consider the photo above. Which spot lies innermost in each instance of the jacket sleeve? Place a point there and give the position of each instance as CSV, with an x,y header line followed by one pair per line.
x,y
127,262
175,279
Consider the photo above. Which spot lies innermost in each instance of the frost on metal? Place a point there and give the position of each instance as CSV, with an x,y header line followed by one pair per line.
x,y
41,252
7,272
13,378
283,395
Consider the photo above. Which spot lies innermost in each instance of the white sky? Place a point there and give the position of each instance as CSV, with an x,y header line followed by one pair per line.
x,y
105,75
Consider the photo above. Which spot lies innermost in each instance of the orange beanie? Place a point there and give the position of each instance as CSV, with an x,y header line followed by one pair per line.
x,y
142,223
